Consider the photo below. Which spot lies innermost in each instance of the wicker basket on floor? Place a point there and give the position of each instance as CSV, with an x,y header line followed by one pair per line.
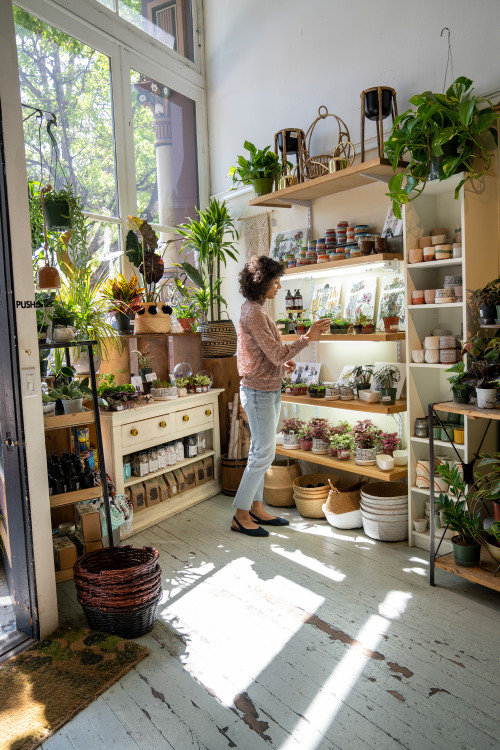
x,y
310,492
344,499
119,589
278,483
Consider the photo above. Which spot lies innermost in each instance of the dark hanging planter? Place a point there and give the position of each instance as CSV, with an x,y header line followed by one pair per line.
x,y
487,314
57,214
449,149
371,104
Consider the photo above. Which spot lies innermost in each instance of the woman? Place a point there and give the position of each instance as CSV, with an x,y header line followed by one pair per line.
x,y
262,359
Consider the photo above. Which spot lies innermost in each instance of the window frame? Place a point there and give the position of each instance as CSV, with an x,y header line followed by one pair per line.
x,y
129,48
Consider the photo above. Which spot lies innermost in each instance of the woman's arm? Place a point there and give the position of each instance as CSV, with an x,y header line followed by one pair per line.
x,y
258,325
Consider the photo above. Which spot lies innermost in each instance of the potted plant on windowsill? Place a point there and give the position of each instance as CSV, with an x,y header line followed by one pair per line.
x,y
72,395
366,439
291,432
459,385
386,379
460,515
260,170
441,136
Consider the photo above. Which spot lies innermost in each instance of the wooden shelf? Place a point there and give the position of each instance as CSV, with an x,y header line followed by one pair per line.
x,y
445,305
178,465
400,336
436,264
364,173
423,490
67,498
483,574
374,472
354,405
151,516
64,575
468,410
320,268
69,420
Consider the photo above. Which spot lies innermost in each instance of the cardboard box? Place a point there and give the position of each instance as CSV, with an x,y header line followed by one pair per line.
x,y
199,473
162,486
171,484
65,552
138,497
181,482
152,492
88,522
208,464
189,476
83,546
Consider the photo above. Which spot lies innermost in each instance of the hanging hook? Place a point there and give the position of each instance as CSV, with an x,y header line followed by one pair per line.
x,y
445,28
449,60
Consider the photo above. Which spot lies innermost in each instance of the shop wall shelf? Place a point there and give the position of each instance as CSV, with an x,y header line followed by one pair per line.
x,y
67,498
354,405
178,465
468,410
444,306
69,420
429,265
316,269
439,443
400,336
399,472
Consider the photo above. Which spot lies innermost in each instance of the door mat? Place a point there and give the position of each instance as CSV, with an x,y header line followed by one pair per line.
x,y
45,686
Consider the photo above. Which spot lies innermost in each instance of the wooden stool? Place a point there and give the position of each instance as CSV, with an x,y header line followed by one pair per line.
x,y
377,103
291,141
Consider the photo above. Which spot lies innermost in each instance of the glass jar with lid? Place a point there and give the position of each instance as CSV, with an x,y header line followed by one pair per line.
x,y
179,450
171,454
153,460
161,454
200,443
190,447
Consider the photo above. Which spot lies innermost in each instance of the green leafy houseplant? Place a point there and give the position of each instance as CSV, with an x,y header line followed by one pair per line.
x,y
459,513
342,440
451,126
387,377
74,390
262,164
362,375
144,358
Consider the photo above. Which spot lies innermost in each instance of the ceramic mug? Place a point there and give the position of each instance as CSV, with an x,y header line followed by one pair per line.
x,y
431,356
429,253
415,255
432,342
417,355
429,295
425,241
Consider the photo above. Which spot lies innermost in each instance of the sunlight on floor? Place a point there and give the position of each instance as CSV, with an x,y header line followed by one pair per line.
x,y
418,571
323,709
310,563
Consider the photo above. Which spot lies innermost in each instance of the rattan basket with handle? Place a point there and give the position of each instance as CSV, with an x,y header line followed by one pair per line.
x,y
310,492
344,499
278,483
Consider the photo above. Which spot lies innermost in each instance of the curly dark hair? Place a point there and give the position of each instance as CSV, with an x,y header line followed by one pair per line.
x,y
257,276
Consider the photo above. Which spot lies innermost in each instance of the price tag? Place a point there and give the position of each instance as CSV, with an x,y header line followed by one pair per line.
x,y
150,376
136,381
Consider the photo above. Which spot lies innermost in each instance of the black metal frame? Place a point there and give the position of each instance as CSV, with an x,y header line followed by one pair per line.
x,y
88,344
468,469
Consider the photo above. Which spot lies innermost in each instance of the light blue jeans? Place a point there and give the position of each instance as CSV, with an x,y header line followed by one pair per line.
x,y
263,411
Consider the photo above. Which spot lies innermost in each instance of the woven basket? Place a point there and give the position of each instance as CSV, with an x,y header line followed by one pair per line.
x,y
310,500
132,624
385,531
153,319
218,338
278,483
344,499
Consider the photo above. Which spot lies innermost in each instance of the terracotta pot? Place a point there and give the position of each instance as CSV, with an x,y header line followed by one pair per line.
x,y
391,324
187,324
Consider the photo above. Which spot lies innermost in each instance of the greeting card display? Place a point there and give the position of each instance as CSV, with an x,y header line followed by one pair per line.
x,y
392,300
288,242
360,298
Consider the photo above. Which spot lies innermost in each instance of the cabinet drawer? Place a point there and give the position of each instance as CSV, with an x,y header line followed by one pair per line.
x,y
200,415
146,429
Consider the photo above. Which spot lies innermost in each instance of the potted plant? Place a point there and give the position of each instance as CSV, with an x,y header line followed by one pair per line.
x,y
441,136
484,368
286,385
48,404
491,541
261,169
460,515
291,432
386,379
488,300
202,383
63,318
283,325
340,325
212,239
388,441
72,395
303,325
368,326
303,388
341,445
144,360
320,431
390,313
314,390
361,376
181,384
366,439
43,356
124,298
459,385
163,390
306,438
487,483
320,390
186,315
114,397
361,320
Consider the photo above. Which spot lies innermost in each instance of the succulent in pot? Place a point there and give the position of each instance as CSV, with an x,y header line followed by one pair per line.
x,y
291,432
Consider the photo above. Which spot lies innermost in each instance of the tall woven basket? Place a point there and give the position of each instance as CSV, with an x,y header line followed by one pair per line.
x,y
218,338
152,318
278,483
310,492
119,589
342,507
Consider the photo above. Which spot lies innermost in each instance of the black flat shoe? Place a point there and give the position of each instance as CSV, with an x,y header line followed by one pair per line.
x,y
249,532
271,521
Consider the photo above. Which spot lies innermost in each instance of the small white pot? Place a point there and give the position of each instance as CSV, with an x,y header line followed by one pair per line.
x,y
291,441
63,334
320,446
420,524
486,398
182,391
72,406
49,409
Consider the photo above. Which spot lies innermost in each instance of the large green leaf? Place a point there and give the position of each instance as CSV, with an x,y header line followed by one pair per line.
x,y
465,112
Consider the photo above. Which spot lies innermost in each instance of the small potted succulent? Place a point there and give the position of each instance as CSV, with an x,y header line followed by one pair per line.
x,y
459,385
387,378
283,325
320,430
303,325
366,439
361,376
316,390
360,320
49,404
291,432
458,511
306,438
163,390
72,395
341,445
181,385
389,441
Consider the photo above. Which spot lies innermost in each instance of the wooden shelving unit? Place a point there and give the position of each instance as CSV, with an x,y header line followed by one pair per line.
x,y
374,472
69,420
350,337
468,410
484,574
178,465
364,173
331,265
354,405
68,498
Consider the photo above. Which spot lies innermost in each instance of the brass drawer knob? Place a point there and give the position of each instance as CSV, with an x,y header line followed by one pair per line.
x,y
208,412
186,418
134,432
163,424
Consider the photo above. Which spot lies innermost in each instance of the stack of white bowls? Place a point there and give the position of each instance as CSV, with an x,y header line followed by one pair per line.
x,y
384,511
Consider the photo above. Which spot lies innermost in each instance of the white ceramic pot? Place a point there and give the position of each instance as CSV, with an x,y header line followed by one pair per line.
x,y
63,334
182,391
291,441
49,409
81,363
400,457
320,446
72,406
486,398
366,456
420,524
384,462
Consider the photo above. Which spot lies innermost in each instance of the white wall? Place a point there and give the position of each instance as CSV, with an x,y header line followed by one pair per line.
x,y
271,63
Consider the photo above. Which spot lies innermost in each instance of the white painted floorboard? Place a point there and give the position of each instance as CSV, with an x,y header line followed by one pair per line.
x,y
310,639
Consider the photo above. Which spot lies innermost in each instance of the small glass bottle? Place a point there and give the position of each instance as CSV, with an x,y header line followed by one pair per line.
x,y
127,468
298,302
289,305
161,454
190,448
200,443
179,450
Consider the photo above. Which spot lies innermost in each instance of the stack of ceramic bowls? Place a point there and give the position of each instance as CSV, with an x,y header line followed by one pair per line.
x,y
350,235
321,251
454,284
384,511
331,241
444,296
361,230
311,252
342,232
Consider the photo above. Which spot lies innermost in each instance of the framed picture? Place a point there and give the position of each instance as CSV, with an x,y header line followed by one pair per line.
x,y
306,372
360,298
392,297
326,299
288,242
402,374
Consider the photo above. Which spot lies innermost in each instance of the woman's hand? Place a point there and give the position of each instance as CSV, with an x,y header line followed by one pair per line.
x,y
317,328
289,366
